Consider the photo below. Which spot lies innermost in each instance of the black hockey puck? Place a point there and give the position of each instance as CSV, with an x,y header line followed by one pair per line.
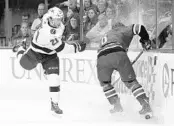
x,y
147,117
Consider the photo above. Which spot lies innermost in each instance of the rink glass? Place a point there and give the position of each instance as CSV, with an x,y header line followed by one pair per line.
x,y
153,14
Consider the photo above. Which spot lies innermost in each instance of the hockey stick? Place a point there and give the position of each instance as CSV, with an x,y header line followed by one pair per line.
x,y
81,20
138,56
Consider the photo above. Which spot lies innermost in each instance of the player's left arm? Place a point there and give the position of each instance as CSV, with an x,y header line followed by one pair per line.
x,y
71,47
142,32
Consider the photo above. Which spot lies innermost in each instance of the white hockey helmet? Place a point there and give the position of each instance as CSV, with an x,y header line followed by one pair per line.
x,y
55,12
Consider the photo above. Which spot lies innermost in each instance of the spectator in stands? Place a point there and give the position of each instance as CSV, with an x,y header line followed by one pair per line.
x,y
164,34
15,29
102,5
37,22
72,9
92,19
72,30
111,15
88,4
111,2
114,4
110,12
73,6
168,40
25,18
24,35
97,32
69,13
94,2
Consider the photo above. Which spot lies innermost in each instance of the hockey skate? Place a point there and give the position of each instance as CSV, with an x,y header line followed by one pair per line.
x,y
117,107
146,110
55,109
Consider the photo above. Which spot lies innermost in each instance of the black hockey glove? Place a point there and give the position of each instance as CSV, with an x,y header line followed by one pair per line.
x,y
146,44
79,46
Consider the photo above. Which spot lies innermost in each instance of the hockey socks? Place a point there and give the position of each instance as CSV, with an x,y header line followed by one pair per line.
x,y
113,98
54,93
110,94
140,95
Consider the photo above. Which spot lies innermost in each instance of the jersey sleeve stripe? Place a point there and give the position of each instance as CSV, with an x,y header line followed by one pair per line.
x,y
134,29
41,48
60,48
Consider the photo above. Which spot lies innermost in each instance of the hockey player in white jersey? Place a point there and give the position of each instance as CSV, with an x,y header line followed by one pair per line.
x,y
45,47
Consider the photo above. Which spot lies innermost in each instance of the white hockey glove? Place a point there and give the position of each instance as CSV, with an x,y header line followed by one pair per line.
x,y
146,44
20,48
16,47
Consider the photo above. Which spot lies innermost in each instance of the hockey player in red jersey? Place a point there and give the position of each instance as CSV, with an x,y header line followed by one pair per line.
x,y
112,55
45,46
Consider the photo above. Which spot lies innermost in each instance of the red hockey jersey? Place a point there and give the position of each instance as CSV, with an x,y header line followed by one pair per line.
x,y
119,36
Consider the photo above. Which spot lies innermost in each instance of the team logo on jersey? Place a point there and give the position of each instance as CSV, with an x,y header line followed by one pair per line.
x,y
53,31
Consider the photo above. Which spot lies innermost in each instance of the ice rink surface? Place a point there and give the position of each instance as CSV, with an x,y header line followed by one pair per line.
x,y
27,102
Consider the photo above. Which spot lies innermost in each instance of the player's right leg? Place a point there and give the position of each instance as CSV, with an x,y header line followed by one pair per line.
x,y
129,78
51,67
104,72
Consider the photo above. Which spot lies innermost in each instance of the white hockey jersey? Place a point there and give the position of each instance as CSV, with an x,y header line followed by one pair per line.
x,y
47,39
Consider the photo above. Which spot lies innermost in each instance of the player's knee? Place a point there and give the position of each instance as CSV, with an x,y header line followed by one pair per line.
x,y
131,84
135,87
27,63
106,85
103,82
54,82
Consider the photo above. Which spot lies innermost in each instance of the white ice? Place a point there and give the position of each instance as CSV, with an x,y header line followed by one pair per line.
x,y
27,102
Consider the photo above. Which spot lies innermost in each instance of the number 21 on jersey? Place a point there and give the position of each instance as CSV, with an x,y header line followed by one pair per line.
x,y
54,41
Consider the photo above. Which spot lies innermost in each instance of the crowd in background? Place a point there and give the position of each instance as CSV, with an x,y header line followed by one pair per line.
x,y
98,17
97,20
27,29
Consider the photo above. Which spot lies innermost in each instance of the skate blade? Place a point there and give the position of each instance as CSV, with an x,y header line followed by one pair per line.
x,y
56,115
148,115
112,111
